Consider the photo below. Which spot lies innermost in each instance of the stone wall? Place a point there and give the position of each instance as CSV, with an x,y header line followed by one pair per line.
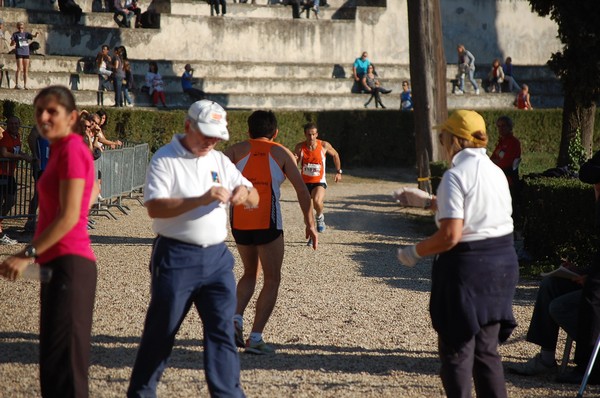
x,y
488,28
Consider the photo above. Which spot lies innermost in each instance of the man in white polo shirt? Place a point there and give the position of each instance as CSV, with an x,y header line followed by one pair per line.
x,y
189,187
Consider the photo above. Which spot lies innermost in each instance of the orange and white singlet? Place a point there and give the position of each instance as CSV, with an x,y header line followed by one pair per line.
x,y
262,170
313,163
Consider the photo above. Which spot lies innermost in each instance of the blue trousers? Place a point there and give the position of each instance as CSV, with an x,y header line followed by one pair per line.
x,y
184,274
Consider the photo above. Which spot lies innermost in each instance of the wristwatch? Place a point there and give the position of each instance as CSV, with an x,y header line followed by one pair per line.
x,y
30,251
339,171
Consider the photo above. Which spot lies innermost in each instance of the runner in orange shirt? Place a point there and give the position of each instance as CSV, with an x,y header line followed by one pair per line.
x,y
258,232
311,155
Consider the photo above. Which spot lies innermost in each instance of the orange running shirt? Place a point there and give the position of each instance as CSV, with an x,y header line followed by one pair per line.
x,y
313,163
262,170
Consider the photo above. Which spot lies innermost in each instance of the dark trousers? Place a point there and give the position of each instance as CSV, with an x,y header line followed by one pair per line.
x,y
216,3
184,274
551,310
478,358
118,83
67,305
588,327
8,194
375,93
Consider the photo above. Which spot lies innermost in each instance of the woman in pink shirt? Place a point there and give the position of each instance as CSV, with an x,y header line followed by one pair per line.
x,y
61,243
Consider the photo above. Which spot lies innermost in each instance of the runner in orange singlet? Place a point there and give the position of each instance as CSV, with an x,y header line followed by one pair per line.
x,y
258,232
311,155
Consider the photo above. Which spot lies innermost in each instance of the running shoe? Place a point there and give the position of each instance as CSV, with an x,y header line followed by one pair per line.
x,y
321,223
239,335
5,240
458,92
259,348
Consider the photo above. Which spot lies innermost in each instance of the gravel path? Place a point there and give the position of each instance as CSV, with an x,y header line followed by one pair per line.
x,y
350,321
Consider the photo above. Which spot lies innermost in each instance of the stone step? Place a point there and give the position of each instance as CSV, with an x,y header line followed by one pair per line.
x,y
291,101
538,77
246,10
242,85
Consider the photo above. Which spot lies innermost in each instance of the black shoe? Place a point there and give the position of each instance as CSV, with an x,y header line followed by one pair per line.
x,y
385,91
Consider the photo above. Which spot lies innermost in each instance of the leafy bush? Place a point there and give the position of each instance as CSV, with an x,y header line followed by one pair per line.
x,y
559,219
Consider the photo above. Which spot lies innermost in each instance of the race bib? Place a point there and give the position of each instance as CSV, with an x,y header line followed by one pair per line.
x,y
23,43
311,169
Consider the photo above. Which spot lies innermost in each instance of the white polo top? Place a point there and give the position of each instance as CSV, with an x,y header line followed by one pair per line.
x,y
174,172
476,191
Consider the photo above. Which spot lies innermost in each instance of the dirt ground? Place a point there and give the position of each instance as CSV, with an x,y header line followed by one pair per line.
x,y
350,321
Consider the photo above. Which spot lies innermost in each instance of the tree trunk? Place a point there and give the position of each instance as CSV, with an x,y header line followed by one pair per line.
x,y
575,116
428,81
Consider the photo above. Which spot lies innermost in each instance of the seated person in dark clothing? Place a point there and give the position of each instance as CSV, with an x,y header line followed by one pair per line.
x,y
70,8
588,327
187,84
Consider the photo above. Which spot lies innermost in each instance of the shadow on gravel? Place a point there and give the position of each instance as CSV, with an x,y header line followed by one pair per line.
x,y
120,240
120,352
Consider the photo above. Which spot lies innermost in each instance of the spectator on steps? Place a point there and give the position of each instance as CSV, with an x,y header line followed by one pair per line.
x,y
70,9
20,39
118,76
187,84
132,5
523,99
406,103
372,86
128,83
215,5
496,77
103,60
359,69
466,66
508,75
155,83
125,14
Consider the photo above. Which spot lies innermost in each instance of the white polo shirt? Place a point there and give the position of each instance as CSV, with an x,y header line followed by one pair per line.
x,y
475,190
174,172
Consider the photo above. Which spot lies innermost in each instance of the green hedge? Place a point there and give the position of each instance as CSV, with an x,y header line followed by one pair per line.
x,y
363,138
559,216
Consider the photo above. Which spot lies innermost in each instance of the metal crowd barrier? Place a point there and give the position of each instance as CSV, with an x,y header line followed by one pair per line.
x,y
15,198
122,171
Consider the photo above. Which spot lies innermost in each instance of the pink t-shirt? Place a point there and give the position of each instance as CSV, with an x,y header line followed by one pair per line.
x,y
70,159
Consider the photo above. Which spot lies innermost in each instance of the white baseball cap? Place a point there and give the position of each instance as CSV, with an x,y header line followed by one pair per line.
x,y
210,118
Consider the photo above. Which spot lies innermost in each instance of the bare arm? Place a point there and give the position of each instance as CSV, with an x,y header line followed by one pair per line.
x,y
173,207
446,237
70,198
364,83
285,158
336,159
5,154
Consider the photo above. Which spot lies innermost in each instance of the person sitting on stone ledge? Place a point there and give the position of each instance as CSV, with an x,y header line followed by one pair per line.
x,y
509,78
187,84
372,85
125,14
70,9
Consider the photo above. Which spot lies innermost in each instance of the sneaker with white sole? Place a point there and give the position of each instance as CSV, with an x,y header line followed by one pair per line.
x,y
259,347
458,92
6,240
321,223
535,366
477,92
239,335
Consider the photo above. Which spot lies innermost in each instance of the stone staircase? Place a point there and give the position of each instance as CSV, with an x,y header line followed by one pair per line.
x,y
224,56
